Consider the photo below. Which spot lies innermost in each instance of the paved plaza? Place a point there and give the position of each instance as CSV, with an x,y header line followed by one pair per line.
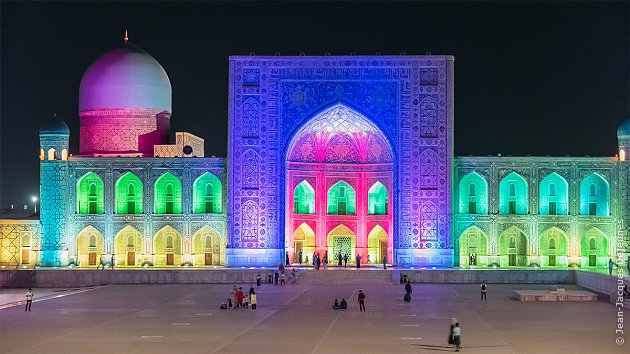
x,y
298,319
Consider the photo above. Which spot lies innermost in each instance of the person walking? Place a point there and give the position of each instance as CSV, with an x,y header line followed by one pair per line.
x,y
29,299
610,266
101,263
451,340
457,337
282,282
345,260
408,291
361,299
253,300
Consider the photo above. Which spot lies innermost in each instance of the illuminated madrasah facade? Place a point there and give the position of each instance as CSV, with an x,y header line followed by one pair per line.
x,y
336,154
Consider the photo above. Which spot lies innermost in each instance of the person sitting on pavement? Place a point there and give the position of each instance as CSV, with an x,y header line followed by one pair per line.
x,y
336,305
344,304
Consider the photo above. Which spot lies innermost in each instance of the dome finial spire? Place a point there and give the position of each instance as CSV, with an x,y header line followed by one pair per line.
x,y
126,37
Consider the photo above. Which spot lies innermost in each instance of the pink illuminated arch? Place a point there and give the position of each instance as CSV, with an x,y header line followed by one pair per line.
x,y
340,144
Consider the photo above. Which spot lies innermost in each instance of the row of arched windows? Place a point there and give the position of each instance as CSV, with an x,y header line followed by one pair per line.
x,y
341,199
554,195
52,154
129,196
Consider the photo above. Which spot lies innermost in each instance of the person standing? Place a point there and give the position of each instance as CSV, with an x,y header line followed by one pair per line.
x,y
276,276
384,262
258,280
358,261
300,256
29,299
112,261
325,260
341,259
239,297
451,341
408,291
361,301
253,300
457,337
610,266
345,260
246,300
484,288
282,282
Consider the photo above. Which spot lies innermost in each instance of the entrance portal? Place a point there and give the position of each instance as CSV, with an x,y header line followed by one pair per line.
x,y
341,239
377,244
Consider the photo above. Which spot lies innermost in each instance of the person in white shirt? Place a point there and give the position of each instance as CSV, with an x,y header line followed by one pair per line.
x,y
29,299
457,337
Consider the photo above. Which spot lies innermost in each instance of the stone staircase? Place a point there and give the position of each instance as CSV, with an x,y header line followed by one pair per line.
x,y
344,276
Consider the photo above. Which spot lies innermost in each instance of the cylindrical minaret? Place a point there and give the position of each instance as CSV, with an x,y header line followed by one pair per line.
x,y
54,138
124,104
623,138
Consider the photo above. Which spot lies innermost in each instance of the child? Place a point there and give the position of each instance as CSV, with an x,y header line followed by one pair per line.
x,y
246,300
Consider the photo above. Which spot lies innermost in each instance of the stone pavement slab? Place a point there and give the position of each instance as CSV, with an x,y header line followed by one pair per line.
x,y
179,318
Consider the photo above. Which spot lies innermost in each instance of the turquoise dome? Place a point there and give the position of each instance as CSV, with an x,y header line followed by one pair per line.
x,y
55,126
127,77
624,129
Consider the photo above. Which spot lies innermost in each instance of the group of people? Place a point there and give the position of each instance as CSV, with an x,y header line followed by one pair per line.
x,y
240,299
340,305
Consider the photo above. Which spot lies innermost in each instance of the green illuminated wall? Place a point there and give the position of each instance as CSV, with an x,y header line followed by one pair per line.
x,y
90,194
594,196
377,199
513,189
303,199
339,194
207,194
473,194
129,191
168,195
553,242
554,193
594,242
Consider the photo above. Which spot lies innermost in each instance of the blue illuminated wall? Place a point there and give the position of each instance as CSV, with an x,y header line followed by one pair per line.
x,y
409,98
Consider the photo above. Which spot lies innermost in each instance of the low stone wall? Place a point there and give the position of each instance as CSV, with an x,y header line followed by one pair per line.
x,y
495,276
78,278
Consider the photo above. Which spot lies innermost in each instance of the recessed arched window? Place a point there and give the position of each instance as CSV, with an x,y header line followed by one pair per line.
x,y
64,154
592,244
130,241
129,191
552,243
92,241
554,195
168,195
513,195
512,242
304,199
594,195
90,194
341,199
169,241
377,199
473,194
51,154
207,194
26,241
622,155
208,242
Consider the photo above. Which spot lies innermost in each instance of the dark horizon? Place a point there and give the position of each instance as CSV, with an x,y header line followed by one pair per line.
x,y
530,78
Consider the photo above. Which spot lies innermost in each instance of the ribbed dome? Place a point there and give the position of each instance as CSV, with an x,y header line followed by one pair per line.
x,y
55,126
624,129
124,78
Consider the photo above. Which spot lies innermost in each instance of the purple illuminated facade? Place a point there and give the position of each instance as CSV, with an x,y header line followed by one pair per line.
x,y
340,121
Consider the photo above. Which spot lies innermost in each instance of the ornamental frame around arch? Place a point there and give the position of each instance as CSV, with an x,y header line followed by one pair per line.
x,y
333,199
464,243
481,193
562,243
521,197
561,197
121,193
218,243
161,249
304,198
83,248
122,246
378,199
85,198
199,193
160,191
601,198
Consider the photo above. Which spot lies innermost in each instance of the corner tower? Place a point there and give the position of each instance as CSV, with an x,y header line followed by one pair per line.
x,y
623,138
54,138
124,104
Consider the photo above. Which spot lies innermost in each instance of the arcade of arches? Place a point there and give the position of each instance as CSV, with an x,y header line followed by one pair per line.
x,y
513,249
339,188
166,248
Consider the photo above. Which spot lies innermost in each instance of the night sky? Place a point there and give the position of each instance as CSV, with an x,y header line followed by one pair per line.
x,y
530,78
